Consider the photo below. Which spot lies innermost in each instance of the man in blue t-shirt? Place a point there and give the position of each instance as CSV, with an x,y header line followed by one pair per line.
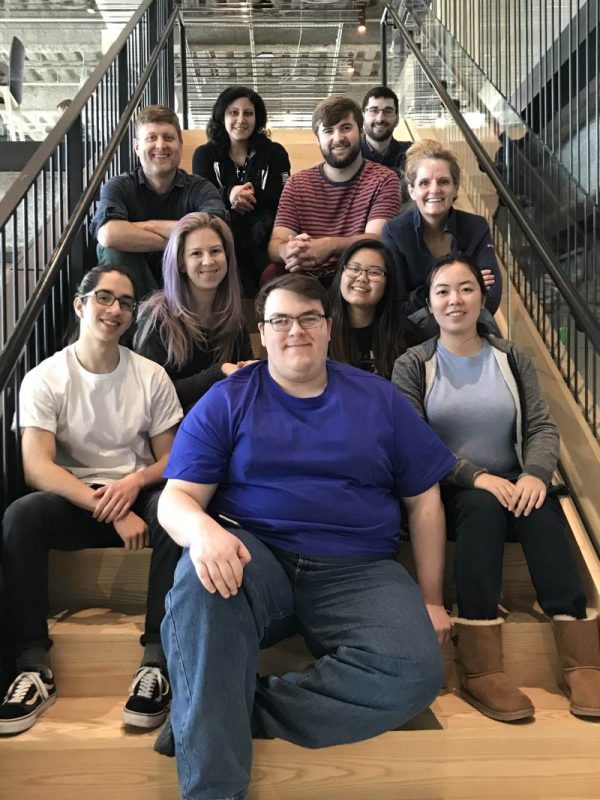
x,y
284,485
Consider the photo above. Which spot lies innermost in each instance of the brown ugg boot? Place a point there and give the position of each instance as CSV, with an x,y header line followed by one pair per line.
x,y
578,645
483,682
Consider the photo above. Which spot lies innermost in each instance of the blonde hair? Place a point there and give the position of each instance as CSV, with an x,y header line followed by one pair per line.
x,y
430,149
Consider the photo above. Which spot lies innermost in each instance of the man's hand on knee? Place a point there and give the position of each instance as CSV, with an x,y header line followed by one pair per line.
x,y
219,558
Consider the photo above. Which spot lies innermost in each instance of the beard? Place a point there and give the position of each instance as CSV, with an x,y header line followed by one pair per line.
x,y
342,160
379,134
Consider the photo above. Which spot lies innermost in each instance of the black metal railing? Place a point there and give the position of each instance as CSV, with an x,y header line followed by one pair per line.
x,y
545,59
44,242
557,295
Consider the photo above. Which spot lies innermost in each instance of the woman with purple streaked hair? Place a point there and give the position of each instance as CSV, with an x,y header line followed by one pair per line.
x,y
195,327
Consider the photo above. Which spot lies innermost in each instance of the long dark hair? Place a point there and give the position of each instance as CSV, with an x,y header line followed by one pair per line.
x,y
215,128
388,326
170,310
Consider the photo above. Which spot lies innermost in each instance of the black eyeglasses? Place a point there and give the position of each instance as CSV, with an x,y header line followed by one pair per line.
x,y
106,298
283,322
373,273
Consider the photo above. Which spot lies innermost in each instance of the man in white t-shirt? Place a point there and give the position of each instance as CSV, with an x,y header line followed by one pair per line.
x,y
95,440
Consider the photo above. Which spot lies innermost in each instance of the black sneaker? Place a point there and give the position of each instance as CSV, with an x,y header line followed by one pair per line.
x,y
30,694
149,698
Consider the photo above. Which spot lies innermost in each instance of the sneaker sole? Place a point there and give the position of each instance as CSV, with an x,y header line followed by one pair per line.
x,y
8,726
145,721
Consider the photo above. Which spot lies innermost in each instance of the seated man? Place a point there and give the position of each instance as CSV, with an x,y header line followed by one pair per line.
x,y
137,212
284,483
380,109
325,208
97,425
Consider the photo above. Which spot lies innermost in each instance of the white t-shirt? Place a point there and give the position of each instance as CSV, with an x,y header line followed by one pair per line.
x,y
102,423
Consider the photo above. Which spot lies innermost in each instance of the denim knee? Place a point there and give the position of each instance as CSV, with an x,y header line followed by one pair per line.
x,y
397,687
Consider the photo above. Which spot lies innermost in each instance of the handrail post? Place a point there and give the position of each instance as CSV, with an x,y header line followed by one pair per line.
x,y
74,158
153,37
183,62
123,82
383,46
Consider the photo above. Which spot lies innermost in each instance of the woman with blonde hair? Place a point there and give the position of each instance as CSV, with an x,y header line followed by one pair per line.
x,y
195,327
435,228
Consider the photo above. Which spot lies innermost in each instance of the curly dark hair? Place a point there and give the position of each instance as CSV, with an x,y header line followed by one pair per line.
x,y
215,128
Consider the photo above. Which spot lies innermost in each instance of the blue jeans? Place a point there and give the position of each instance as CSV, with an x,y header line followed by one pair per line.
x,y
378,661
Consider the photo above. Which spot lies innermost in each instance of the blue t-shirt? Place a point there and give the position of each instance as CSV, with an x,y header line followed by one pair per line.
x,y
316,476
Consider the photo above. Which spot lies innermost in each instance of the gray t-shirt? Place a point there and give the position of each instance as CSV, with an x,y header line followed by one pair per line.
x,y
472,410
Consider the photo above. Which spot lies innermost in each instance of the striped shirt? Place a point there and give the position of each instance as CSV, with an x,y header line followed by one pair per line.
x,y
311,203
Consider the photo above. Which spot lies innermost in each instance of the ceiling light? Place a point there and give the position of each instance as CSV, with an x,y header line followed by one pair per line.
x,y
91,7
362,19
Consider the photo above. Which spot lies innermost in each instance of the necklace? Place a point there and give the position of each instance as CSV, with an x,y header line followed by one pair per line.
x,y
240,169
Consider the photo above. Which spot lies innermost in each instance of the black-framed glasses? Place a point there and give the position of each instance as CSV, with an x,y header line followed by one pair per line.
x,y
284,322
106,298
374,274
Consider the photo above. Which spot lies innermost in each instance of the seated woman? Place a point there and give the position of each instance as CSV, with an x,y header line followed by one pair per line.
x,y
367,331
481,395
435,228
249,170
97,424
194,327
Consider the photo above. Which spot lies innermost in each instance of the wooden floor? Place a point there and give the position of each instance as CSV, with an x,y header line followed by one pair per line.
x,y
79,750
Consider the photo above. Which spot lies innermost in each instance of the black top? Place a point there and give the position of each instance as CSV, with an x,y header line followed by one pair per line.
x,y
394,156
131,198
413,335
200,372
471,237
267,169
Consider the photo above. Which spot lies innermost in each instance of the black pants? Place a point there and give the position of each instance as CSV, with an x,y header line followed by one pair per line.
x,y
43,521
480,526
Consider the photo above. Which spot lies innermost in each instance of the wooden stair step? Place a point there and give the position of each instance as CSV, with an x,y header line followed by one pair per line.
x,y
114,578
79,749
96,652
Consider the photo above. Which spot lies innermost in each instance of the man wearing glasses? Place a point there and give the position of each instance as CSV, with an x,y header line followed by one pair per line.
x,y
380,109
285,483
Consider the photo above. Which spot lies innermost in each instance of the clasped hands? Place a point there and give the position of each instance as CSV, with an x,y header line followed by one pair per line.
x,y
302,252
114,501
521,497
242,199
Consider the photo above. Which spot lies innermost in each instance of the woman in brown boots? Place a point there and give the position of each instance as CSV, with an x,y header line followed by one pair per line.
x,y
481,395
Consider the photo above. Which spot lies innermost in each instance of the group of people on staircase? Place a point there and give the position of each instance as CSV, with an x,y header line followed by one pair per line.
x,y
386,397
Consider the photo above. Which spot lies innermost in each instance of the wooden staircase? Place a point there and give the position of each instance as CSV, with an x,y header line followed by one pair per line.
x,y
79,750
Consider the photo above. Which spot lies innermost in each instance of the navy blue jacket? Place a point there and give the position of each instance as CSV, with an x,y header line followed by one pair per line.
x,y
471,237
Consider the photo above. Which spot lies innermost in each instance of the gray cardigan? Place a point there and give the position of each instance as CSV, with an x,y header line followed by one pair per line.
x,y
537,444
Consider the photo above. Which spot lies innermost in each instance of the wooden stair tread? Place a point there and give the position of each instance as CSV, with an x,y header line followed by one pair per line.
x,y
96,651
79,748
82,720
111,577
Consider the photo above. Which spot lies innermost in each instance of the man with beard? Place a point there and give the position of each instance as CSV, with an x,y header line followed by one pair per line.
x,y
325,208
380,109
